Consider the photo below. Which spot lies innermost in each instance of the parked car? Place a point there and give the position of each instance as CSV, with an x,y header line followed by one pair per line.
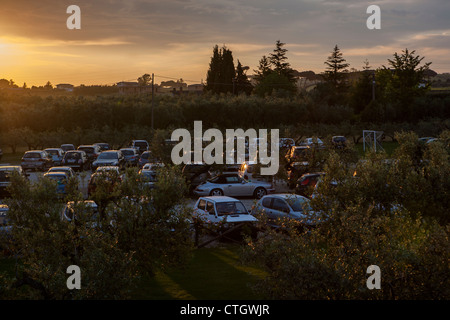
x,y
5,176
67,147
277,207
312,142
103,146
216,209
56,154
111,177
140,145
5,227
76,159
297,154
61,180
36,160
286,143
131,156
195,174
307,182
231,184
109,158
88,208
146,157
67,170
92,151
250,170
148,177
339,142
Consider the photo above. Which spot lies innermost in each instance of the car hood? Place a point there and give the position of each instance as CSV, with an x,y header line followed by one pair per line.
x,y
235,218
102,161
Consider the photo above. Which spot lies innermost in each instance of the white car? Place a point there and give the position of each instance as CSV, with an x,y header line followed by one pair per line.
x,y
231,184
277,207
312,142
217,209
68,170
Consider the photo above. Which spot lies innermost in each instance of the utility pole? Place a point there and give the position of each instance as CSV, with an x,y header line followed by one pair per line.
x,y
153,94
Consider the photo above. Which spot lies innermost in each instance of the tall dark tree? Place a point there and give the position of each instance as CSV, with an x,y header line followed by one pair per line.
x,y
242,84
336,70
275,73
221,73
403,81
279,62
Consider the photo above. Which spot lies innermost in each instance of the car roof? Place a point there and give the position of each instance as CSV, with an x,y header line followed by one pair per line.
x,y
220,199
8,168
55,173
284,196
60,168
4,207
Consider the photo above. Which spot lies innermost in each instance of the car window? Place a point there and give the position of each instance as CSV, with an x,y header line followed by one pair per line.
x,y
32,155
232,179
267,202
202,204
210,207
280,205
227,208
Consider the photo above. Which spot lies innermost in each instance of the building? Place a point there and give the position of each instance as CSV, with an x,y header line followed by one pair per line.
x,y
65,86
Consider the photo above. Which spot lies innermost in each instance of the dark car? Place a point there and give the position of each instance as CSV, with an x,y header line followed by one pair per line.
x,y
109,158
76,159
110,179
131,156
5,175
36,160
92,151
146,157
307,182
67,147
196,174
339,142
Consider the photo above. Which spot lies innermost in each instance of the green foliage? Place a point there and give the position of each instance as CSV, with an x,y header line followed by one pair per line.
x,y
393,214
137,231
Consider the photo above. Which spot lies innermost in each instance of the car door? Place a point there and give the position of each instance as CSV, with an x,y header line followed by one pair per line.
x,y
232,186
280,209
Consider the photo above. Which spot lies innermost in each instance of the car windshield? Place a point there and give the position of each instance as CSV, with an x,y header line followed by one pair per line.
x,y
87,149
228,208
299,204
32,155
61,178
107,156
149,176
72,155
127,152
4,176
140,144
52,152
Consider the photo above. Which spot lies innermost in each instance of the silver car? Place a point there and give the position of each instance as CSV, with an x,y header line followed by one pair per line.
x,y
277,207
231,184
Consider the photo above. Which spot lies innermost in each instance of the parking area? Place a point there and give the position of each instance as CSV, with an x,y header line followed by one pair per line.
x,y
83,178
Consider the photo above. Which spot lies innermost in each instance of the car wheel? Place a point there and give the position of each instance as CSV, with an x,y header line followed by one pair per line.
x,y
216,192
259,193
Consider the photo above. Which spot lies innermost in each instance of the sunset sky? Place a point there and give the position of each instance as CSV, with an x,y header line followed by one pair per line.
x,y
121,40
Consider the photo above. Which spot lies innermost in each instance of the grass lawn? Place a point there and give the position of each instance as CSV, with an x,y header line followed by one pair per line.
x,y
212,274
